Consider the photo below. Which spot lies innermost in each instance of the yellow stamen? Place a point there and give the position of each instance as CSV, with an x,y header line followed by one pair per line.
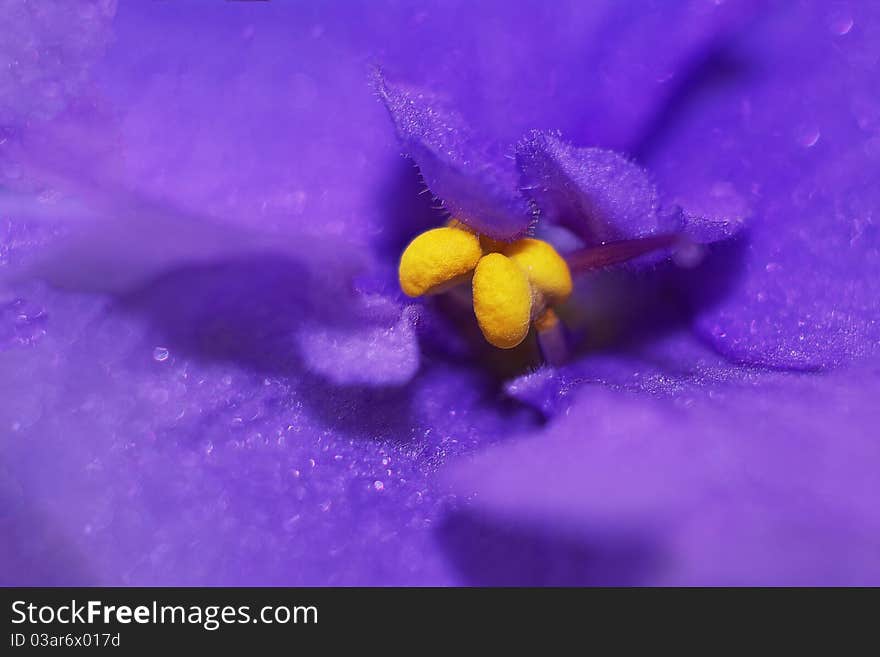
x,y
547,270
437,257
502,301
513,284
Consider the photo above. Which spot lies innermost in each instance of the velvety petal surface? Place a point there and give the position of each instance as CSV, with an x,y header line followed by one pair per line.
x,y
601,196
760,479
790,131
601,72
168,437
471,180
46,54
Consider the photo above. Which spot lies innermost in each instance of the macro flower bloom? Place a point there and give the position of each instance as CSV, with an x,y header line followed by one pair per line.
x,y
210,374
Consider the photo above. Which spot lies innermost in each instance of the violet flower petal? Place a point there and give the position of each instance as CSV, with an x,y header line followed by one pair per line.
x,y
470,179
770,481
599,195
603,197
46,54
202,451
668,365
602,72
790,131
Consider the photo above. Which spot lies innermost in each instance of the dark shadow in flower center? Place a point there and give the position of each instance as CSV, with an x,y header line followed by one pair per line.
x,y
409,209
626,309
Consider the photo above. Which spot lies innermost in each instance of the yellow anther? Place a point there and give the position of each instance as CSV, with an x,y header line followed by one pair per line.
x,y
437,257
502,300
514,284
547,271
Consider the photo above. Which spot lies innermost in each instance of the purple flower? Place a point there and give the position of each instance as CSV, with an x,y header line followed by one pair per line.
x,y
208,372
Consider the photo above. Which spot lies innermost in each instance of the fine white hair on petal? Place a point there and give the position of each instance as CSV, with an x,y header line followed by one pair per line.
x,y
374,353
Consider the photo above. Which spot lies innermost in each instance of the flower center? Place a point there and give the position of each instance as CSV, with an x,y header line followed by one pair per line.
x,y
513,284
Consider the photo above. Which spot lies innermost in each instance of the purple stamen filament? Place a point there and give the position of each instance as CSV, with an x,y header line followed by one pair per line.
x,y
611,253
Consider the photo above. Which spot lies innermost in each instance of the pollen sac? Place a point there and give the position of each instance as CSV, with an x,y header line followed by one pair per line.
x,y
513,284
547,271
436,258
502,300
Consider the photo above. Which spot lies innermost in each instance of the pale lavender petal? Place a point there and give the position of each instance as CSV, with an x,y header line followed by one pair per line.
x,y
380,349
